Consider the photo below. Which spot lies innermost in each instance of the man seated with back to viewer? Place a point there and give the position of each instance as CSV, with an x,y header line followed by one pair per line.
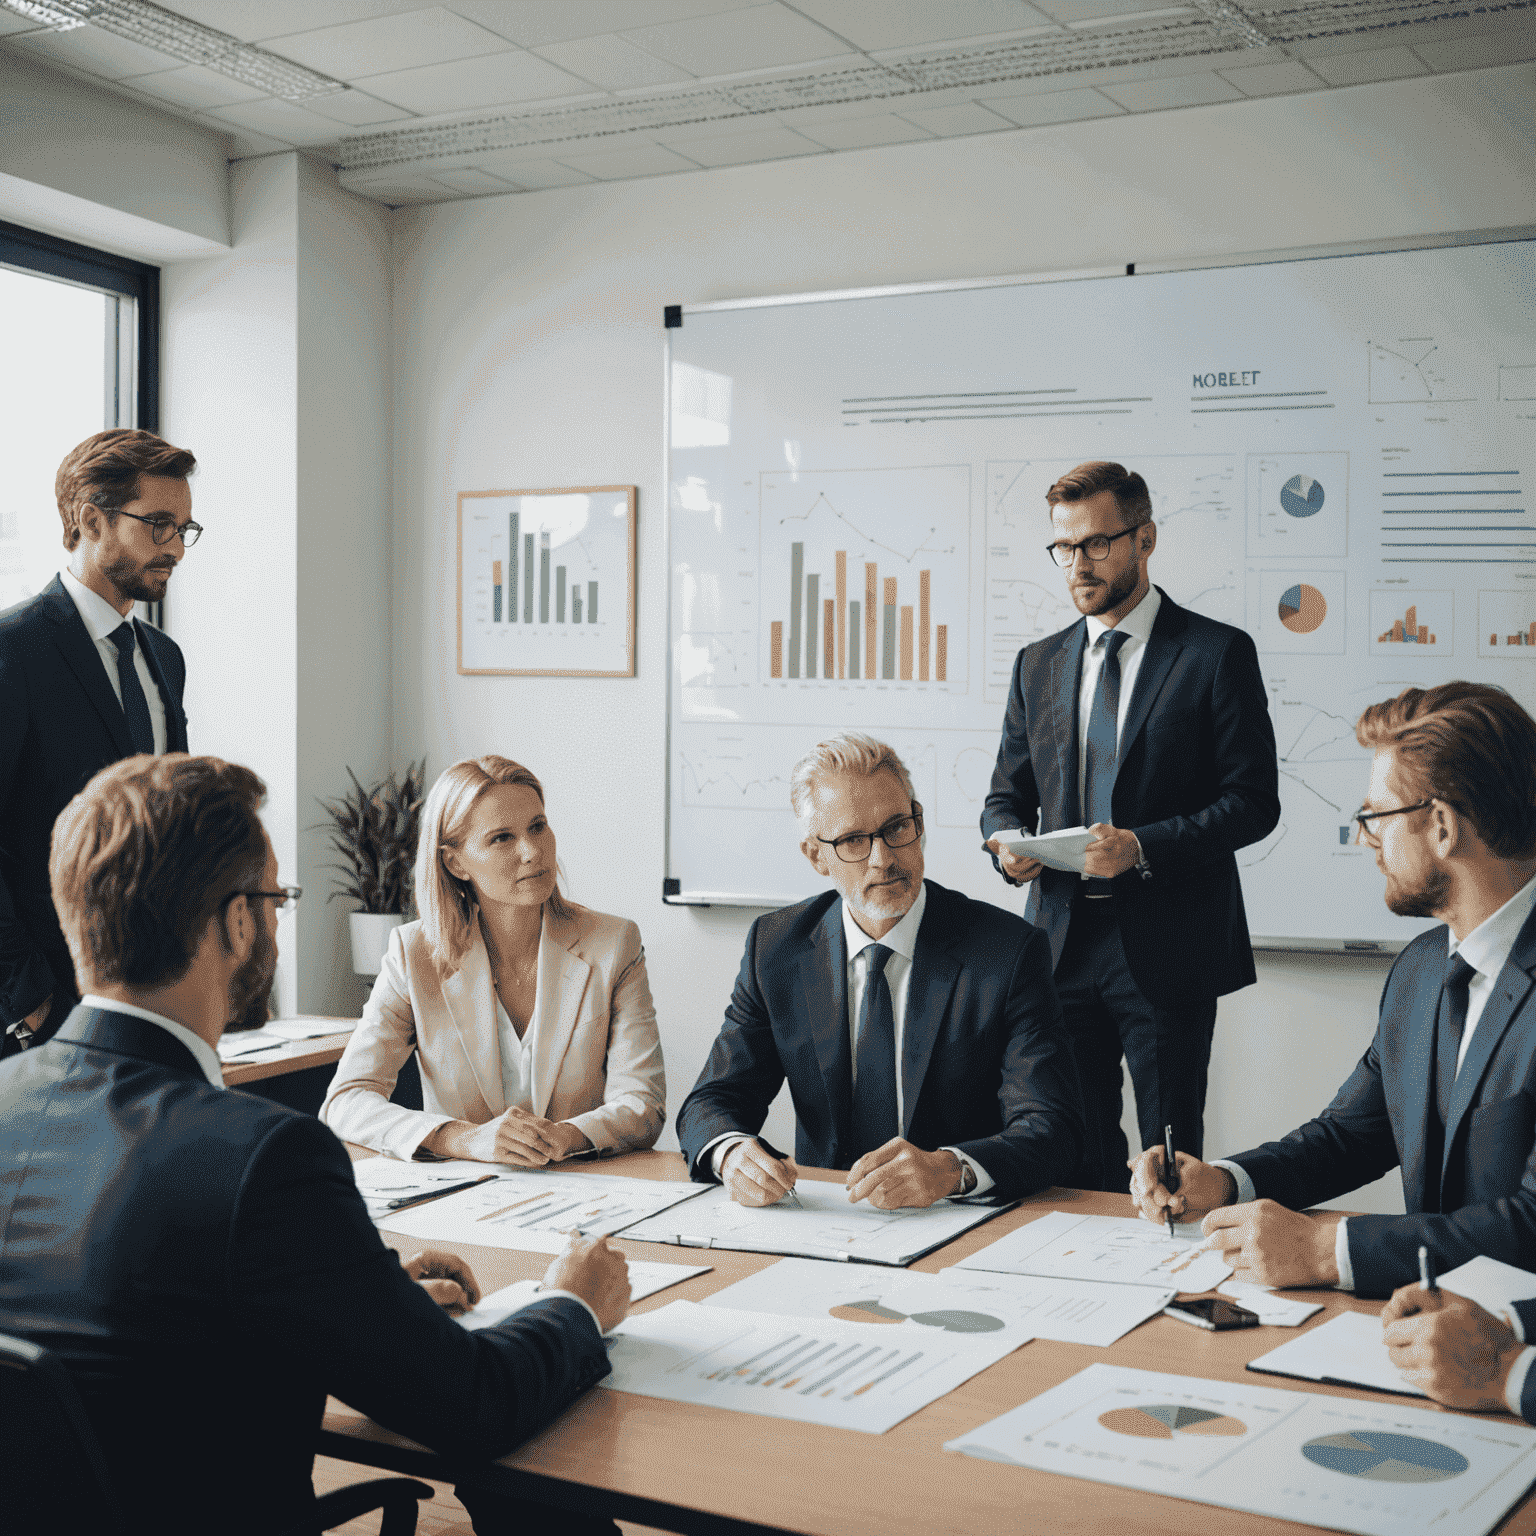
x,y
1447,1090
200,1259
919,1030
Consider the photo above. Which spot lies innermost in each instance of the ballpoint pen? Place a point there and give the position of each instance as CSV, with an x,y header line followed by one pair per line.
x,y
1427,1270
791,1195
1170,1173
437,1194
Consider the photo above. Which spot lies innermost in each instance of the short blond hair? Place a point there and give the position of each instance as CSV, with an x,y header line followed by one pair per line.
x,y
848,752
449,912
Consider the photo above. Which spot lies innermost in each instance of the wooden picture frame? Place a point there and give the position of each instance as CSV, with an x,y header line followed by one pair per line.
x,y
522,614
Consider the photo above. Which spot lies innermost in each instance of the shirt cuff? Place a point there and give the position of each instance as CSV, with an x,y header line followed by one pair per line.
x,y
1245,1189
1516,1327
1514,1387
984,1180
1341,1256
546,1295
713,1153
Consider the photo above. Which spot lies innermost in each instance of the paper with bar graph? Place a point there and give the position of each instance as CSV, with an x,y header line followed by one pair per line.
x,y
820,1372
547,581
534,1211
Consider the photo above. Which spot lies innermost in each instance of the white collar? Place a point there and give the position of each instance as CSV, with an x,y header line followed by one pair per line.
x,y
204,1054
96,613
902,938
1487,947
1137,623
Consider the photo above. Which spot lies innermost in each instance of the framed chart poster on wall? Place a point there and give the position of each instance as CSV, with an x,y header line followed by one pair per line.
x,y
547,582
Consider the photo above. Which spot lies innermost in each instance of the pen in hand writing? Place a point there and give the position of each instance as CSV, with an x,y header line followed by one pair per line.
x,y
436,1194
1170,1173
1427,1270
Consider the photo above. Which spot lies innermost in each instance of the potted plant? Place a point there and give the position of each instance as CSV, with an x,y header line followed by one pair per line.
x,y
374,830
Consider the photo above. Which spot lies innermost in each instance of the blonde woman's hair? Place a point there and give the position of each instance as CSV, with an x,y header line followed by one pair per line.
x,y
449,912
847,752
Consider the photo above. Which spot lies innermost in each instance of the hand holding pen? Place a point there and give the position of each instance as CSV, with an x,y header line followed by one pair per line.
x,y
1170,1179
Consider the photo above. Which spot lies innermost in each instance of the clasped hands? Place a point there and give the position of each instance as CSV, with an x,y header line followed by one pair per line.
x,y
519,1137
1112,853
896,1174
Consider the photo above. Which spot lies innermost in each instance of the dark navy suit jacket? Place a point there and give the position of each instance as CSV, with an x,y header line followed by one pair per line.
x,y
60,723
985,1062
203,1263
1479,1196
1197,780
1527,1312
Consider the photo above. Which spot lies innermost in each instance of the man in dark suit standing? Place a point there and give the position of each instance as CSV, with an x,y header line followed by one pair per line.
x,y
201,1259
83,683
918,1029
1447,1090
1150,725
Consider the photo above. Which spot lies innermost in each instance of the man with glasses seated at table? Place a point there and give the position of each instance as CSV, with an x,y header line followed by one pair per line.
x,y
918,1029
1447,1090
82,684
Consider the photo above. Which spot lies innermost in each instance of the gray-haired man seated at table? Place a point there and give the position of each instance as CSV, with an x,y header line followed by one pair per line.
x,y
919,1030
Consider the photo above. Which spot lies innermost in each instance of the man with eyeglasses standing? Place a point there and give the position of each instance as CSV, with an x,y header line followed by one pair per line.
x,y
1148,724
918,1030
82,684
1447,1090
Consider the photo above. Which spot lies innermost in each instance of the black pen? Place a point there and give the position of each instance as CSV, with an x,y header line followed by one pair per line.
x,y
437,1194
1170,1173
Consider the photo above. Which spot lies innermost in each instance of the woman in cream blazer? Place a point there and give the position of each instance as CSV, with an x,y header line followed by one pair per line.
x,y
503,988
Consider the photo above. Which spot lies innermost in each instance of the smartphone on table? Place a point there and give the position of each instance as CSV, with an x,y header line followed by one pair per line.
x,y
1212,1312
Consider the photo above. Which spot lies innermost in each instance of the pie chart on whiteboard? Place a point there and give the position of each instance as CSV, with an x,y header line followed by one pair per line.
x,y
1302,608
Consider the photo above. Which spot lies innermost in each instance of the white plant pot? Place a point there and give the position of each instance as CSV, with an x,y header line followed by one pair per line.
x,y
370,939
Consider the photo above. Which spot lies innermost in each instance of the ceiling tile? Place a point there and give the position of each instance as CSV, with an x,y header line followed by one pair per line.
x,y
196,87
360,48
282,120
745,148
534,23
759,38
864,132
96,52
357,109
872,24
1376,64
471,180
535,175
499,79
613,63
950,122
406,191
1091,10
1273,79
638,160
11,22
1055,107
1179,91
251,20
1479,52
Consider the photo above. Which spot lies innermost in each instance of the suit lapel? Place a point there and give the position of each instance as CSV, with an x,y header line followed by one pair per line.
x,y
935,970
470,998
823,976
1162,650
84,660
563,978
175,734
1066,680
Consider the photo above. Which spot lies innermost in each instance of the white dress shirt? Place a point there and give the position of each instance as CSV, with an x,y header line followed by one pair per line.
x,y
1487,949
1137,624
1514,1383
204,1054
100,619
516,1057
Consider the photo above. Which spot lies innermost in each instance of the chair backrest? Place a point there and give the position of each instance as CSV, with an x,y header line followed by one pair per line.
x,y
53,1476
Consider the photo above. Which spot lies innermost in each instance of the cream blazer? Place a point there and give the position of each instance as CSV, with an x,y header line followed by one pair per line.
x,y
595,1054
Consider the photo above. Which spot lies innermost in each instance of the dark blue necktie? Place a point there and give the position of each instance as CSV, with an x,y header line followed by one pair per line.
x,y
1100,748
874,1090
135,705
1450,1027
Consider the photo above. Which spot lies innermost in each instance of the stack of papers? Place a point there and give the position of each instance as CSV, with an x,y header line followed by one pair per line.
x,y
277,1035
1273,1311
1056,850
248,1043
1492,1285
644,1280
1346,1351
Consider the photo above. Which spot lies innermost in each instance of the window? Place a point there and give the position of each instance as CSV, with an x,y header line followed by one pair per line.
x,y
79,331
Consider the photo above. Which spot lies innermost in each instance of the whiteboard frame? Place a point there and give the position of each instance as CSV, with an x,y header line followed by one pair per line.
x,y
1374,948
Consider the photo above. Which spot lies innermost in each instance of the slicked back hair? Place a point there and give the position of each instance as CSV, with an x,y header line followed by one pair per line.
x,y
104,471
1130,490
847,752
145,856
1470,745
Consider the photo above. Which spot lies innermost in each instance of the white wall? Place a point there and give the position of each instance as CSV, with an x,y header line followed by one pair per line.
x,y
527,352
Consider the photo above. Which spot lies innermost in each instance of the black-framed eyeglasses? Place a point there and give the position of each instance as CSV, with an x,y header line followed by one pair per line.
x,y
282,899
854,847
1363,818
1095,548
163,529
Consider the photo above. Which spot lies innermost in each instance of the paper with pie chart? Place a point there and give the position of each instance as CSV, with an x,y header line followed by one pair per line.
x,y
1298,505
1375,1469
960,1302
820,1371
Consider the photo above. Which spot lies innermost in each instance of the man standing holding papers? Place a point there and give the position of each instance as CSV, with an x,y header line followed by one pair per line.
x,y
1149,724
1447,1090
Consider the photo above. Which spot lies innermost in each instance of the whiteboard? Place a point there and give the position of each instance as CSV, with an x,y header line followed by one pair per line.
x,y
1340,454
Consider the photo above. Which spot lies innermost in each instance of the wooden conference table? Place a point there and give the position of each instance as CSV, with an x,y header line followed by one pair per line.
x,y
686,1468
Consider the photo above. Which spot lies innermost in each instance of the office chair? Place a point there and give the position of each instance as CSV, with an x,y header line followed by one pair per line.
x,y
53,1475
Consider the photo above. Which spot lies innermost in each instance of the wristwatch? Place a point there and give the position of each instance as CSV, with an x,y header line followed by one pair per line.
x,y
1141,866
967,1179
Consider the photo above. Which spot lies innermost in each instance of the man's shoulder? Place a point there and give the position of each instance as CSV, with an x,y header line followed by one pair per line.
x,y
793,924
1197,629
22,617
1041,651
1420,964
952,917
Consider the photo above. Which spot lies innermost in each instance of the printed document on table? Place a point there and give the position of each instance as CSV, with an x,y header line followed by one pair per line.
x,y
1273,1311
1119,1250
1346,1350
1373,1469
825,1225
535,1210
820,1372
645,1279
1056,850
1491,1284
382,1179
